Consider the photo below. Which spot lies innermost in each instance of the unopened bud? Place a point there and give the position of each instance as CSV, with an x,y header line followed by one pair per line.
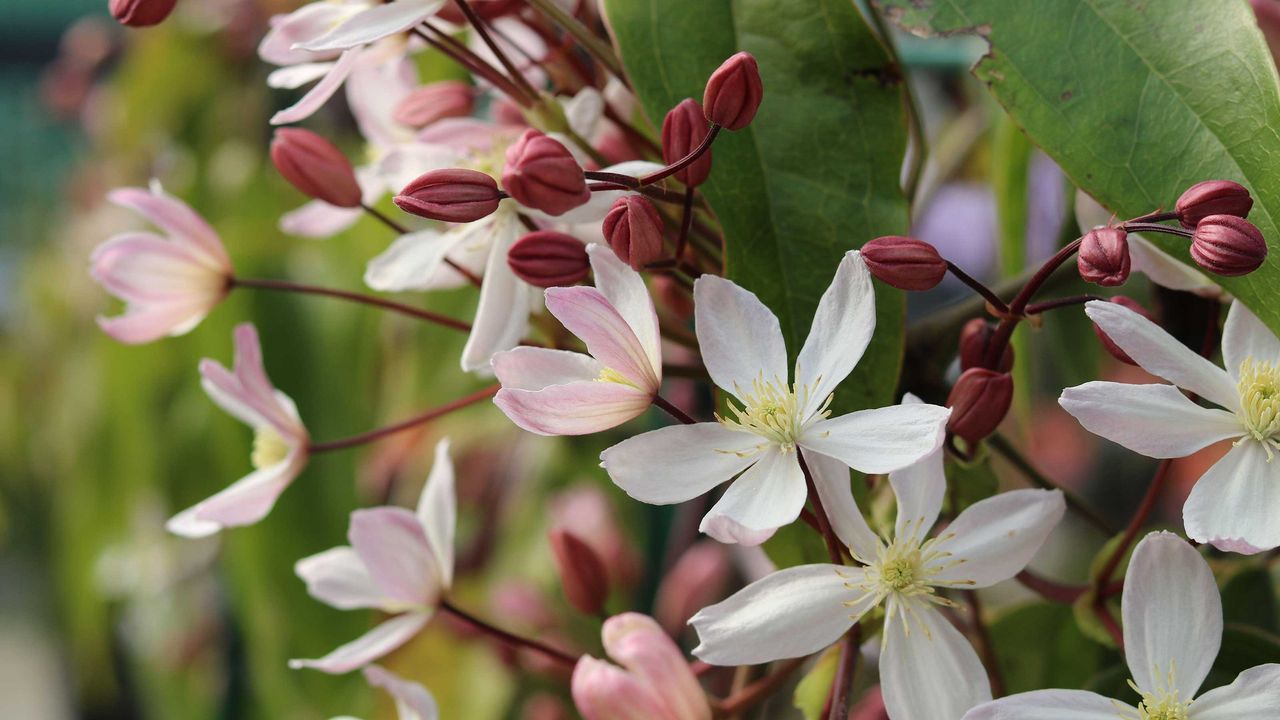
x,y
429,103
979,401
1110,345
975,340
546,258
734,92
141,13
1228,245
452,195
683,130
904,263
633,228
1213,197
541,174
582,572
317,168
695,581
1104,256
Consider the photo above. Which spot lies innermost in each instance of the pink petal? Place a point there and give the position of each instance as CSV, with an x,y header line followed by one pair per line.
x,y
176,218
144,268
243,503
534,368
602,691
393,546
322,91
586,312
338,578
437,510
375,23
367,648
318,219
642,647
144,324
625,290
578,408
413,702
307,23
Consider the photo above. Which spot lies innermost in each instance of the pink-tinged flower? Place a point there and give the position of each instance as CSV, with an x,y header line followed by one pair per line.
x,y
760,439
1172,633
928,670
413,702
168,283
371,24
299,67
279,445
399,562
1236,504
555,392
653,683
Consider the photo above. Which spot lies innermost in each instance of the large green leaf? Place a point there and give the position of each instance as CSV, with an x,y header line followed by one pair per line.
x,y
1136,100
815,175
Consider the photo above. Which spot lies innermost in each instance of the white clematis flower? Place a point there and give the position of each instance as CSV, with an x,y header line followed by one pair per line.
x,y
801,610
773,422
1172,632
1236,504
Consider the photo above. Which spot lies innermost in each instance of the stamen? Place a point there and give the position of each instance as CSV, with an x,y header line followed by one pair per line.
x,y
613,376
773,410
1259,389
269,447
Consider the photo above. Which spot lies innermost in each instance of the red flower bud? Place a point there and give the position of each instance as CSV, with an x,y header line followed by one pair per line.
x,y
904,263
141,13
582,572
734,92
429,103
487,9
1104,256
1107,343
633,228
1213,197
314,166
683,130
546,258
1228,245
975,338
451,195
541,174
979,401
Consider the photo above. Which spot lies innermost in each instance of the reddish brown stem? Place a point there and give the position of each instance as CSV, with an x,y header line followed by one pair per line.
x,y
848,663
673,411
509,638
287,286
513,72
421,419
987,293
820,514
751,695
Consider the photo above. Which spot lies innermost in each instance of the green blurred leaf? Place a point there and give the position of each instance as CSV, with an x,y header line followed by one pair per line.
x,y
1249,598
814,688
971,482
1040,646
1243,647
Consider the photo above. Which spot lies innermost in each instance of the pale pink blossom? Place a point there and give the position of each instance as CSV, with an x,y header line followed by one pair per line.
x,y
654,681
413,701
298,67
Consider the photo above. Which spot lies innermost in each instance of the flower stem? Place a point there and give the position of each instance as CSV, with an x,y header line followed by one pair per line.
x,y
686,220
374,301
509,638
820,514
462,55
1135,525
514,73
1157,228
683,162
673,411
986,292
848,664
402,230
415,421
1037,308
1009,322
598,48
985,645
751,695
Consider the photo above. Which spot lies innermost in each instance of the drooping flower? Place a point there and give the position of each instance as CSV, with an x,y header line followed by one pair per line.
x,y
556,392
399,562
801,610
654,682
168,283
279,445
1236,504
1172,633
775,424
413,702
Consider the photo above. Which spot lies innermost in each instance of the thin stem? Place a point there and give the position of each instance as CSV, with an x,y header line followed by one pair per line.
x,y
751,695
1108,622
1022,464
512,71
593,44
820,514
673,411
1154,217
1000,339
686,219
402,230
415,421
509,638
848,663
1157,228
462,55
985,645
1037,308
1135,525
986,292
287,286
1050,590
683,162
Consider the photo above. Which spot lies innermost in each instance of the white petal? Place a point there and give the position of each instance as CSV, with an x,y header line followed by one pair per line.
x,y
534,368
393,546
245,502
319,219
831,480
929,671
1235,505
1160,354
626,291
740,338
1172,615
1245,336
1255,695
367,648
1165,270
995,538
413,262
502,315
790,613
842,327
375,23
767,496
680,462
438,510
1155,420
413,702
337,578
583,111
1052,705
320,93
880,440
919,489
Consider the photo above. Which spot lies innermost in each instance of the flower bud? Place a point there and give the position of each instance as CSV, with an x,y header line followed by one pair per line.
x,y
141,13
733,92
582,572
1107,343
546,258
1104,256
429,103
1228,245
979,401
633,228
904,263
541,174
652,679
314,166
1212,197
683,130
975,338
452,195
695,581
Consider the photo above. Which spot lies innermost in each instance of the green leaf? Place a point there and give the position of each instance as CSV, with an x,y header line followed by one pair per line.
x,y
971,482
817,172
1039,646
1243,647
1249,598
1136,100
812,691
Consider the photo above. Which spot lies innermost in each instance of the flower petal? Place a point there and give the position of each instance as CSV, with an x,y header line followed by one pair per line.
x,y
143,324
1255,695
337,577
740,338
307,22
413,262
919,488
1245,336
375,23
603,691
680,462
1165,270
842,327
502,315
438,511
245,502
929,672
1172,615
578,408
1155,420
641,646
413,702
831,480
880,440
789,613
319,219
767,496
626,291
144,268
1052,705
320,93
534,368
184,225
587,313
1235,505
393,546
367,648
992,540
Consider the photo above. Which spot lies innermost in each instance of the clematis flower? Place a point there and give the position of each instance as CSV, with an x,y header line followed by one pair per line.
x,y
413,702
371,24
399,562
556,392
774,425
279,445
168,283
801,610
1172,633
1236,504
654,682
298,67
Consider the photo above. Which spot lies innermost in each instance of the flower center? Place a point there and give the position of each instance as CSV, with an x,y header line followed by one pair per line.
x,y
1259,388
772,410
269,447
905,571
613,376
1163,703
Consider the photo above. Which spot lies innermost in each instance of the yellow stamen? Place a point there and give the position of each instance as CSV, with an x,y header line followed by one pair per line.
x,y
269,447
1259,388
613,376
773,410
